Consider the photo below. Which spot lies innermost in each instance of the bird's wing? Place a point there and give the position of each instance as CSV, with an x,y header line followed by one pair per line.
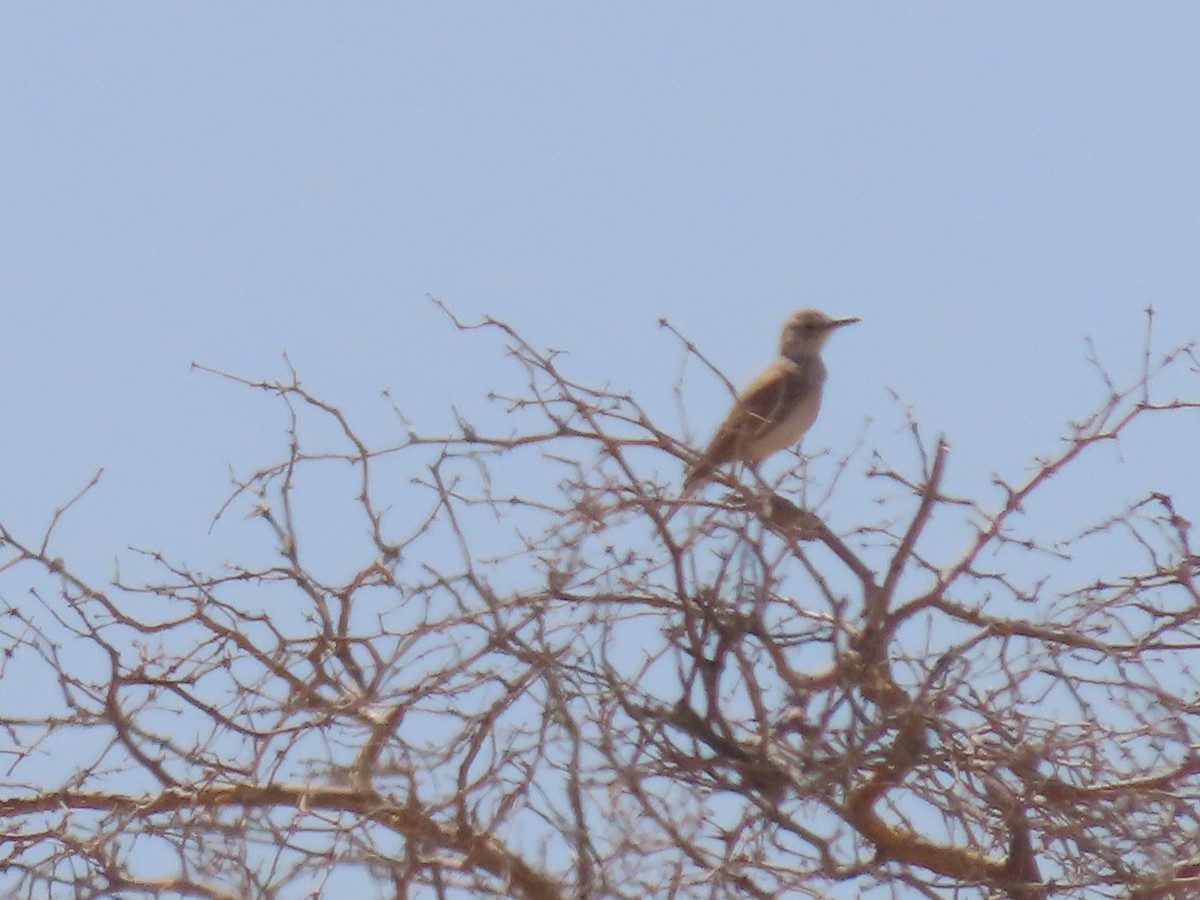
x,y
756,408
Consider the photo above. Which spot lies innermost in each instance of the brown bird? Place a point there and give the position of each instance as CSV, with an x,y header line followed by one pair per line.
x,y
778,406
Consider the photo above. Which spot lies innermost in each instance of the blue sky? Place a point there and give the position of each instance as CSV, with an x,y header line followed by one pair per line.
x,y
984,184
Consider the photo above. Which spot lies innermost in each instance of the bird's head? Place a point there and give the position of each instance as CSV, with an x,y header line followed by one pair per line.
x,y
806,331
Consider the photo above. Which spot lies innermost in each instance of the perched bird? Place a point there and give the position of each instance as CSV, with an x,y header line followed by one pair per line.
x,y
778,406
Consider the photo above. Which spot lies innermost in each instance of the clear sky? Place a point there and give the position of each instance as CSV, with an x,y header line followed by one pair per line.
x,y
984,184
222,182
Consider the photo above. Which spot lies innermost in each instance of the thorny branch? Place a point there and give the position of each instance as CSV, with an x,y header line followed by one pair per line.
x,y
541,674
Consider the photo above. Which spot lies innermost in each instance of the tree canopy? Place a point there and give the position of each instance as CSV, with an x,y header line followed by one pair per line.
x,y
524,667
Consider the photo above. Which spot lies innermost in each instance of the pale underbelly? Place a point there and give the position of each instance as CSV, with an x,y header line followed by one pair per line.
x,y
787,432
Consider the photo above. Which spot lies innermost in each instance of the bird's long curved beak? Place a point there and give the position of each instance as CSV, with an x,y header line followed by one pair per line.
x,y
849,320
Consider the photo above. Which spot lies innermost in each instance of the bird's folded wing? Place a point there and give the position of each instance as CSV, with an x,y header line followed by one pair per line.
x,y
755,411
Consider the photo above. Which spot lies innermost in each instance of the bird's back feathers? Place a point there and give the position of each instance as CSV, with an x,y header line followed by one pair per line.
x,y
772,413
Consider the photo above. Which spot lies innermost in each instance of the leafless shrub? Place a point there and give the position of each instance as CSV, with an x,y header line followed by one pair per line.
x,y
537,675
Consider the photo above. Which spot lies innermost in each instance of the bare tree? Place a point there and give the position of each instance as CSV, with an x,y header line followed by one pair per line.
x,y
540,675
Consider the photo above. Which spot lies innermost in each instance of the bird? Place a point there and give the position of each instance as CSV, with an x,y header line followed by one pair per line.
x,y
776,408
